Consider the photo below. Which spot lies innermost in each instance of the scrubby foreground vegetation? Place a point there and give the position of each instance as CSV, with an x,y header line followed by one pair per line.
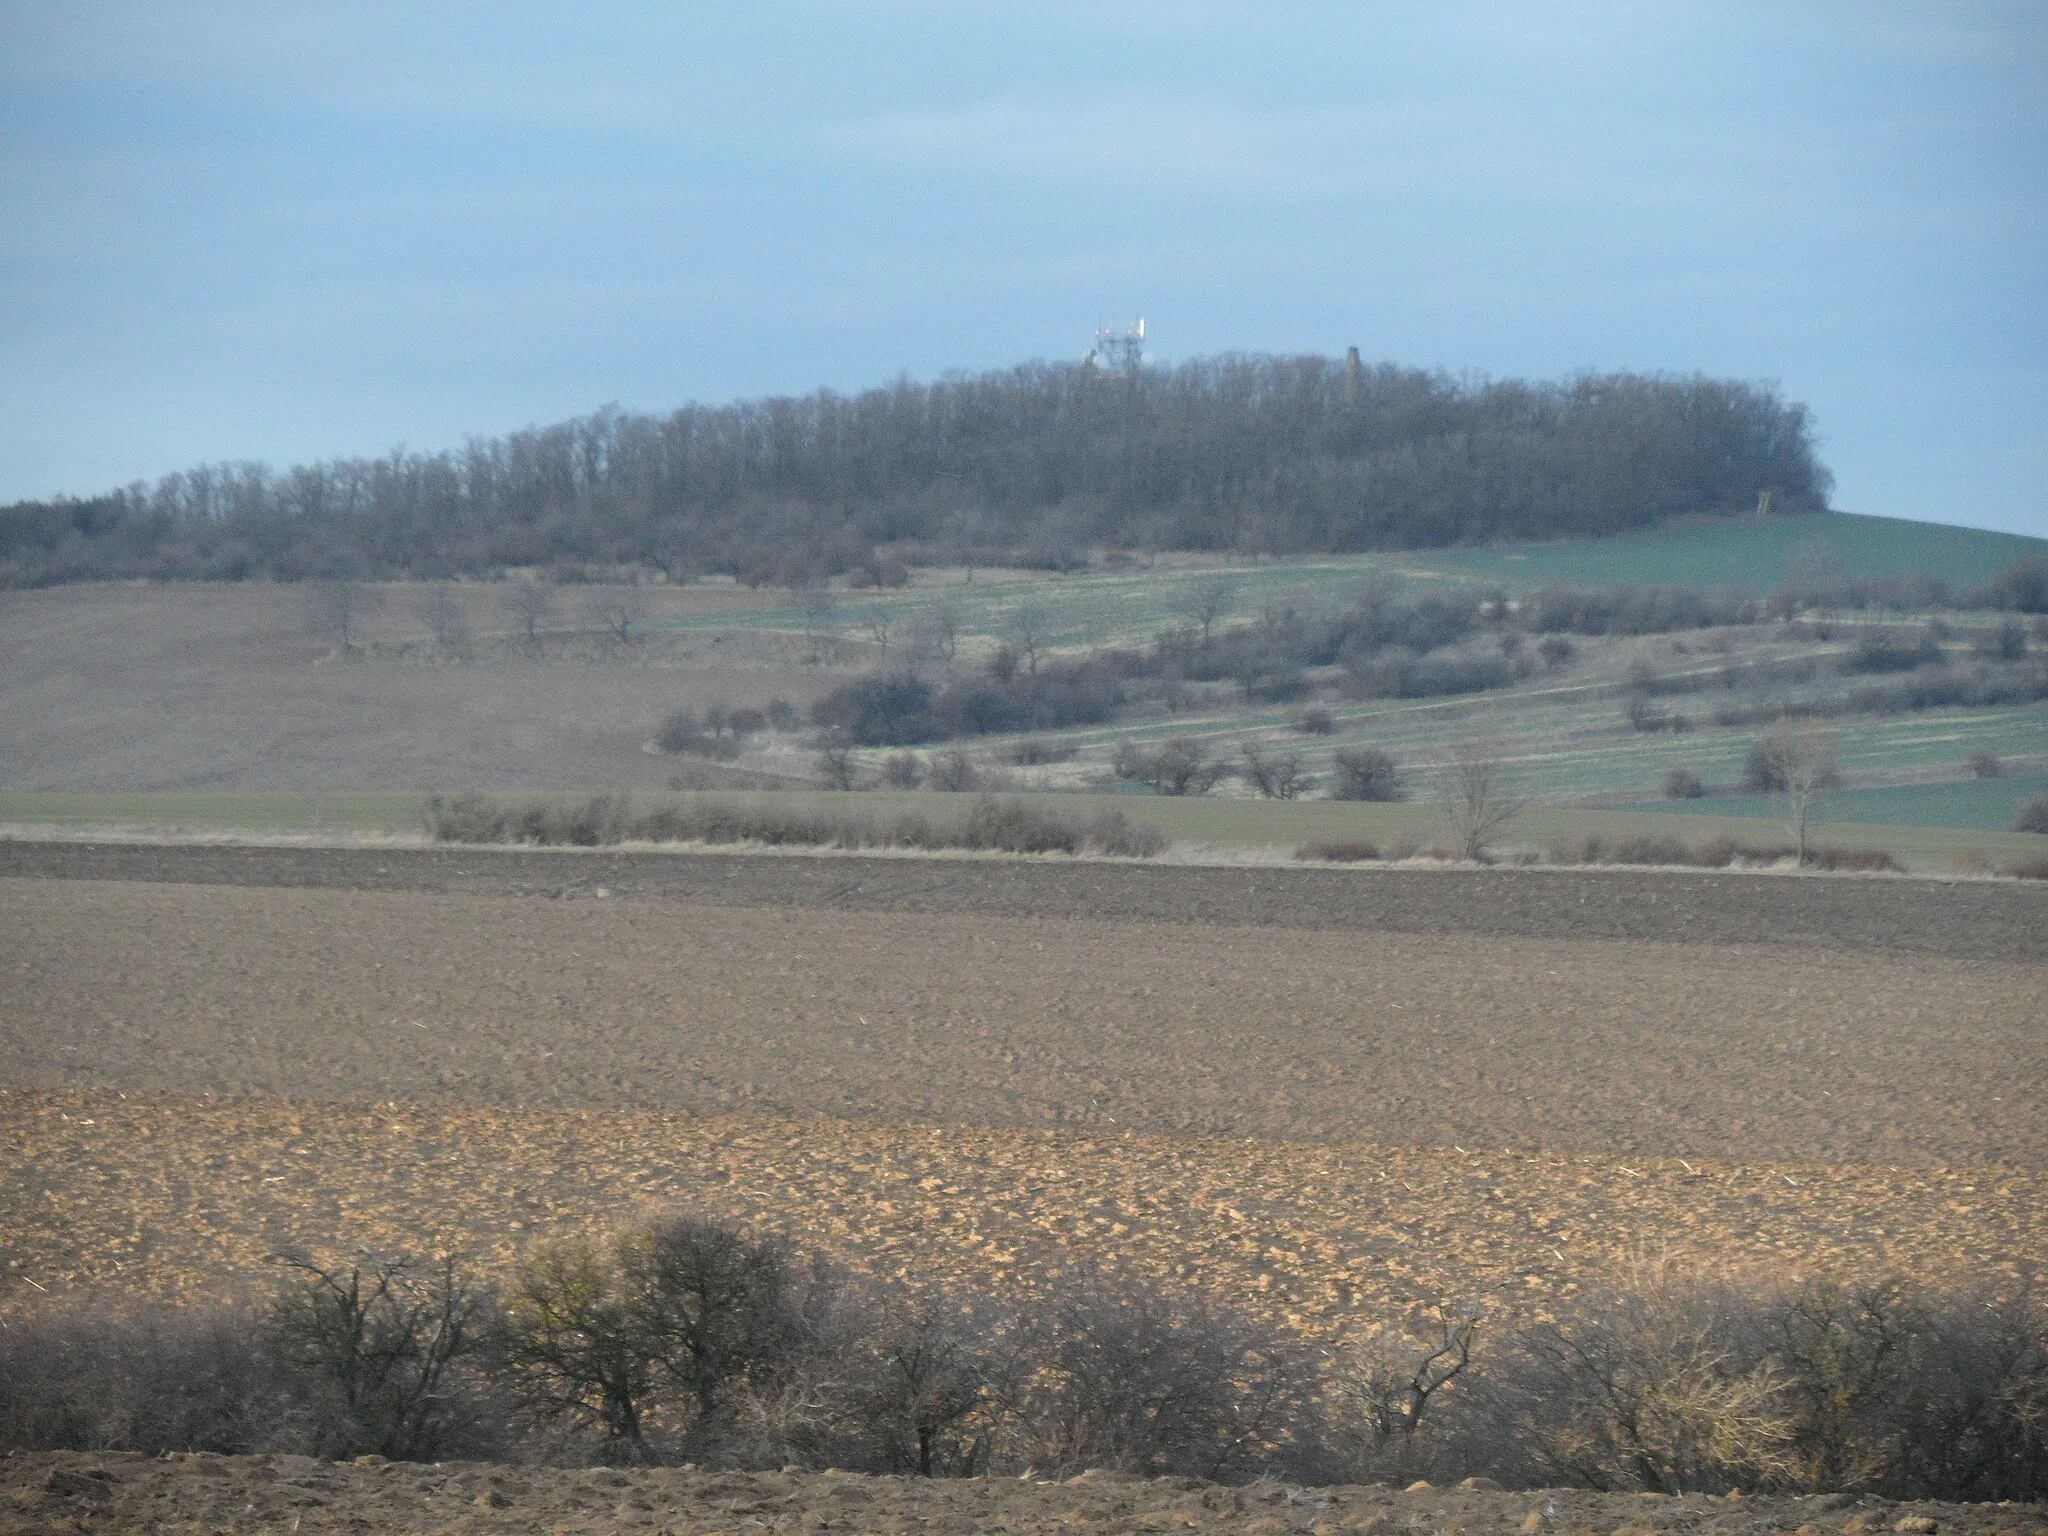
x,y
1031,465
989,826
689,1340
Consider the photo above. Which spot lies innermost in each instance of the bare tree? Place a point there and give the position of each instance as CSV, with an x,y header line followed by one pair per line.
x,y
1277,776
339,605
1800,761
837,766
441,611
878,620
1477,804
531,604
619,608
1207,601
1391,1388
1030,627
814,608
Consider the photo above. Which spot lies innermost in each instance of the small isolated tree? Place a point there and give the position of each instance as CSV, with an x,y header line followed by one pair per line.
x,y
1209,599
1180,765
814,607
1275,775
619,608
838,768
1797,763
1029,625
1366,773
530,605
339,606
903,770
953,771
378,1341
441,611
1477,804
878,621
1983,763
1683,784
2033,816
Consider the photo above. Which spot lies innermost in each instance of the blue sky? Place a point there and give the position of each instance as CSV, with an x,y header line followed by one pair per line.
x,y
280,232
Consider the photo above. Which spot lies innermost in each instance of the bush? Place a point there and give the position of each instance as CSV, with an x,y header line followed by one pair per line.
x,y
1009,826
1983,763
1276,776
1557,652
2027,869
1891,652
1315,721
1683,784
903,770
2033,816
1180,765
1339,853
1366,773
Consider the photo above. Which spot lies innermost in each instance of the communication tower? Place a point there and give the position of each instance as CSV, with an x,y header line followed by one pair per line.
x,y
1118,351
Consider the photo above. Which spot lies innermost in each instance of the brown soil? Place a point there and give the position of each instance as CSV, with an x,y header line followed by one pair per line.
x,y
65,1492
190,1198
218,687
1737,1052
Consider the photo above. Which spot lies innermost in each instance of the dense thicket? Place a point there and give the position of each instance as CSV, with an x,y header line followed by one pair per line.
x,y
688,1340
1254,454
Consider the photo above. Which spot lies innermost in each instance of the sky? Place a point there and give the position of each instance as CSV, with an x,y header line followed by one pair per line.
x,y
287,232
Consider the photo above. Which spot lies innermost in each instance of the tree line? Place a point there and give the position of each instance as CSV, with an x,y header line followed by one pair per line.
x,y
694,1341
1257,455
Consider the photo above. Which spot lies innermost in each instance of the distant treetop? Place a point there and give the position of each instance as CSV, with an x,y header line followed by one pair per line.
x,y
1257,455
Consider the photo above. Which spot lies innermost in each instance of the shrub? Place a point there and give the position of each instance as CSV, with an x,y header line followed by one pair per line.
x,y
2027,869
2004,641
683,732
1276,776
1557,652
1180,765
1683,784
1315,721
1983,763
903,770
1891,652
1011,826
1366,773
1339,853
953,771
2033,816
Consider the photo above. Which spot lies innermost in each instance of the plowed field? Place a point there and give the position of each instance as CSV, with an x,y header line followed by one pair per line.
x,y
1328,1119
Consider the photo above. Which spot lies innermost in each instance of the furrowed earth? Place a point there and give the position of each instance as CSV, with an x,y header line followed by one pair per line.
x,y
1330,1097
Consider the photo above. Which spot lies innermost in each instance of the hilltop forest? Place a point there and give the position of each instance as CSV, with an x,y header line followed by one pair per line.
x,y
1032,465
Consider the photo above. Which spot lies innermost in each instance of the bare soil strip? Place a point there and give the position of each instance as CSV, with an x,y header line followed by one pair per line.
x,y
61,1491
1642,1048
187,1198
1961,919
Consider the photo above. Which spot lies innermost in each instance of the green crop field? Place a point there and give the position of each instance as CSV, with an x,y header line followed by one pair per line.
x,y
1748,554
1983,805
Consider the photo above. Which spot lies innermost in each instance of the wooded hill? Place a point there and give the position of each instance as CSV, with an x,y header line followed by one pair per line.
x,y
1033,465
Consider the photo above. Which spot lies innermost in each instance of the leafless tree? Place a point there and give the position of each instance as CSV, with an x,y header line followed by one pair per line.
x,y
879,620
339,605
1476,801
1801,761
441,611
1276,776
1390,1387
953,771
1030,627
837,766
814,606
620,608
1206,601
531,604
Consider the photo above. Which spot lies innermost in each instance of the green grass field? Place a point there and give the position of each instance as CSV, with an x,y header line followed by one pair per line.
x,y
1131,605
1747,554
1194,823
1978,805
